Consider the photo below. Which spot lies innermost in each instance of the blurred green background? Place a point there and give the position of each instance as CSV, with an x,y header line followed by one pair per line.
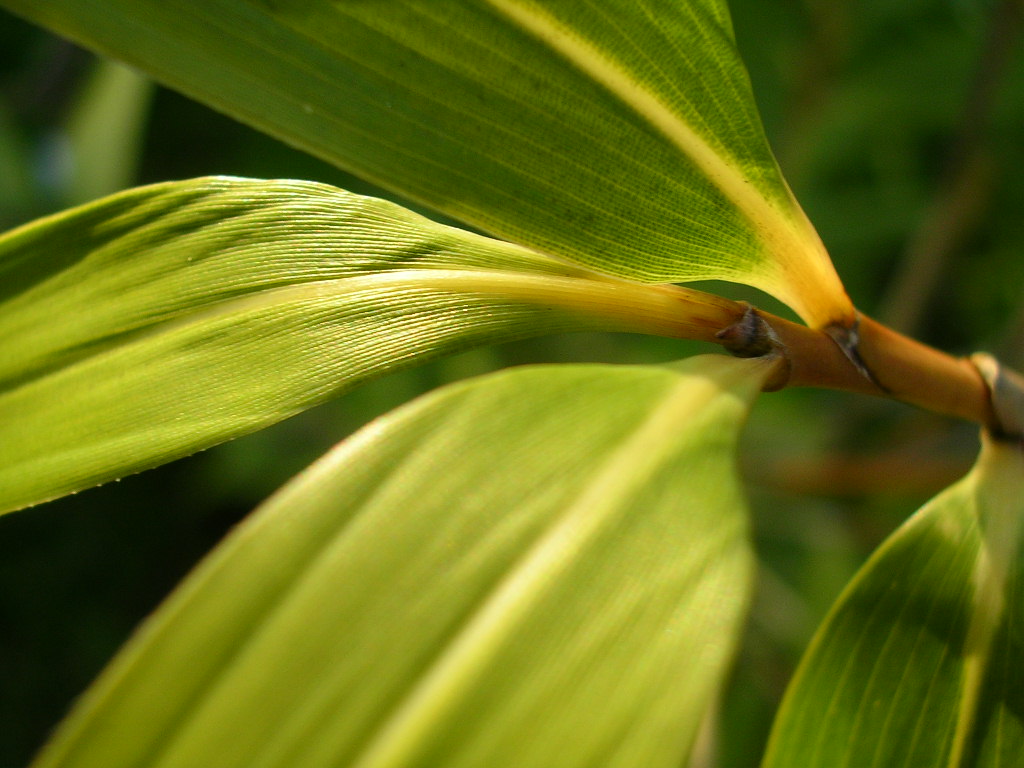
x,y
900,127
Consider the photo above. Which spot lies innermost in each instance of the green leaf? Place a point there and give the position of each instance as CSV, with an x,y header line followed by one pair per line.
x,y
104,132
166,319
545,566
621,135
919,661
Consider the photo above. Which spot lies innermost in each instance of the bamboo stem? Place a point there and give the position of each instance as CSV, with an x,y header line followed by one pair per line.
x,y
868,358
879,361
923,376
865,357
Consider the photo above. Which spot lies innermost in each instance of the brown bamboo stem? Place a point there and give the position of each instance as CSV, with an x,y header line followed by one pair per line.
x,y
923,376
890,365
865,356
868,359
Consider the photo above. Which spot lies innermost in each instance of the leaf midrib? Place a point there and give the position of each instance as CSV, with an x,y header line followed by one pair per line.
x,y
719,170
625,305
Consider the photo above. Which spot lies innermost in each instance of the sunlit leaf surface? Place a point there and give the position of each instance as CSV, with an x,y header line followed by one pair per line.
x,y
164,320
546,566
622,135
919,662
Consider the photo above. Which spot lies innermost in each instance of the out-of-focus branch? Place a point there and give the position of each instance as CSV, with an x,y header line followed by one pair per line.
x,y
949,219
966,180
814,75
858,475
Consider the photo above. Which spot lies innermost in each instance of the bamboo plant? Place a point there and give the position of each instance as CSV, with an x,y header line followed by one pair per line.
x,y
544,566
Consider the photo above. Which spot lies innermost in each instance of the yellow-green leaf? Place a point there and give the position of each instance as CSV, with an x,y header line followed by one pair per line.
x,y
546,566
161,321
919,662
619,134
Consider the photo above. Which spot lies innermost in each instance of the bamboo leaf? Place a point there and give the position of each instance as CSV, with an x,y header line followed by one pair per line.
x,y
104,132
163,320
622,135
919,662
556,551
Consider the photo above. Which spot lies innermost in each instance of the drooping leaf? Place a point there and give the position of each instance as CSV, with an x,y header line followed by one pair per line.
x,y
622,135
546,566
919,661
163,320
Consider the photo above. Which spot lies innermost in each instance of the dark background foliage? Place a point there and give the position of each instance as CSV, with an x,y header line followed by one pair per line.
x,y
900,128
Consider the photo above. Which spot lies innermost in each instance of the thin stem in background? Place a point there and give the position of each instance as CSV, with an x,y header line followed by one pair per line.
x,y
820,61
966,182
895,471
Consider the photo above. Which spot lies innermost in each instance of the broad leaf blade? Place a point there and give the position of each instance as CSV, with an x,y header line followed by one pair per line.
x,y
166,319
621,135
919,662
545,566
